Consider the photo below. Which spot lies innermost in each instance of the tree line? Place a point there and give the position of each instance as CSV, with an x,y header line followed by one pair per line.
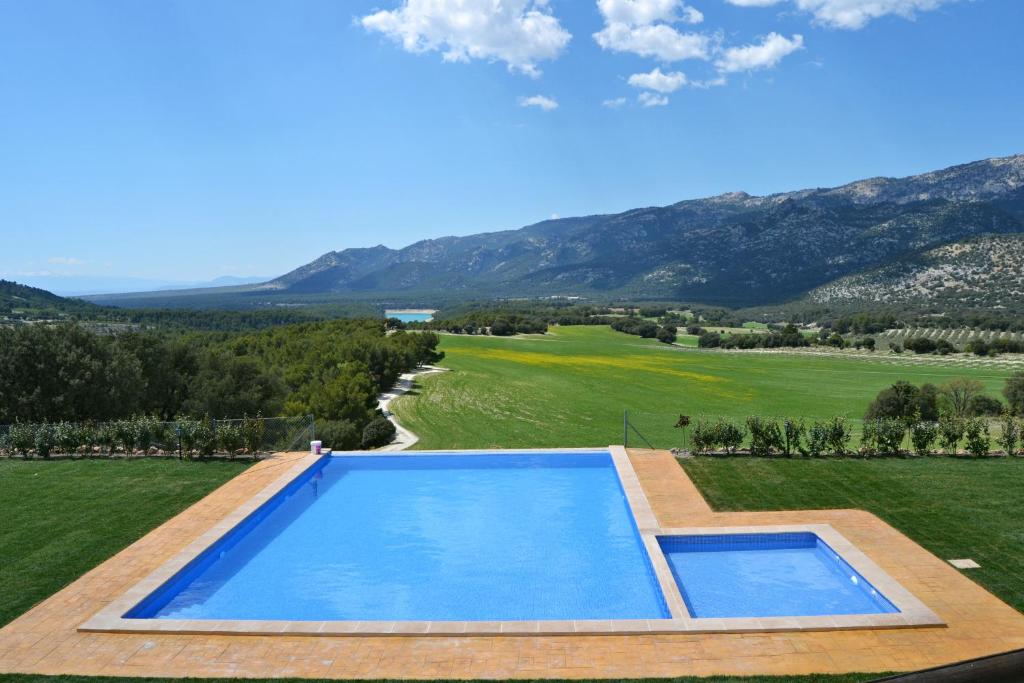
x,y
331,369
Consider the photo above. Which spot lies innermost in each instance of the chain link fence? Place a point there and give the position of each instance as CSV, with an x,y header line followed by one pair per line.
x,y
142,436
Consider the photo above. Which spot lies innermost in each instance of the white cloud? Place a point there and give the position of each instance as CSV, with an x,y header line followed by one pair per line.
x,y
649,99
855,14
660,41
852,14
520,33
641,12
614,103
656,80
760,56
65,261
710,83
539,101
643,27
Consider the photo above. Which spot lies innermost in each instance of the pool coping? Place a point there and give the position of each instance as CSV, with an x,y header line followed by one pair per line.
x,y
913,612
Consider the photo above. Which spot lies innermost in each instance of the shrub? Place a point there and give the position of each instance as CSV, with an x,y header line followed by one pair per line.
x,y
70,435
124,435
837,436
342,435
729,435
229,437
794,432
817,439
195,435
44,439
144,431
976,437
889,434
951,430
22,438
252,433
922,436
703,437
869,437
379,432
765,436
105,437
1010,436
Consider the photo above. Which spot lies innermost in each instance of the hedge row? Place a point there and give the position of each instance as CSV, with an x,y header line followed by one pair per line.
x,y
885,437
135,436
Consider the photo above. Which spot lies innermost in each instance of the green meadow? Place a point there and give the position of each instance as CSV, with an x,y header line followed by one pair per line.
x,y
571,386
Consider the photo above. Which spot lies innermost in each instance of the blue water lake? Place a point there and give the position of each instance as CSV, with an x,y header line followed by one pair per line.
x,y
409,317
517,536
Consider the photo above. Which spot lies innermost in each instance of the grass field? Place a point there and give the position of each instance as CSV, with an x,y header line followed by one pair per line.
x,y
62,518
570,387
953,507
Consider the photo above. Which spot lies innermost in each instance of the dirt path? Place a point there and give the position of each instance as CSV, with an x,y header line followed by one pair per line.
x,y
403,437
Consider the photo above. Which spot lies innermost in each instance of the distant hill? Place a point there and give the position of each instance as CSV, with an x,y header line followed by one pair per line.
x,y
985,272
734,249
21,302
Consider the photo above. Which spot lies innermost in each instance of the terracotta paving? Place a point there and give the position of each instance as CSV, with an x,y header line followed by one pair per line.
x,y
45,639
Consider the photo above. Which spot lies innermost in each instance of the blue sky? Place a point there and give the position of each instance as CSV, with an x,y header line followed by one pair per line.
x,y
186,140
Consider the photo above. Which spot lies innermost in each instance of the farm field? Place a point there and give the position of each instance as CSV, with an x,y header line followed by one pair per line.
x,y
62,518
570,387
956,508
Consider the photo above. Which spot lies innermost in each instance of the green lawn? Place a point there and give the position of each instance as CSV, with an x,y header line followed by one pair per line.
x,y
570,387
62,518
956,508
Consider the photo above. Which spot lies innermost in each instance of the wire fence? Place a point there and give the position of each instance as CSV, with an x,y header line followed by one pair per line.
x,y
143,436
679,432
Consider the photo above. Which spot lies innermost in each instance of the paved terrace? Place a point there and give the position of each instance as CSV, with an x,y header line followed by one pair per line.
x,y
46,640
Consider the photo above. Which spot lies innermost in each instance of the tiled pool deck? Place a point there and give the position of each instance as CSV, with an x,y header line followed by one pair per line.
x,y
47,640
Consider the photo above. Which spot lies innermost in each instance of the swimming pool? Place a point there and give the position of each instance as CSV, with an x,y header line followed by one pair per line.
x,y
768,575
427,537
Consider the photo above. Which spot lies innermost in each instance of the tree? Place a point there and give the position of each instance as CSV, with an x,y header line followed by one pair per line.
x,y
928,402
957,394
709,340
647,330
667,335
900,401
501,328
985,406
231,386
1014,393
379,432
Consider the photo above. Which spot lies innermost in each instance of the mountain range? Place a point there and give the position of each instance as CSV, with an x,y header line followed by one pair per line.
x,y
876,239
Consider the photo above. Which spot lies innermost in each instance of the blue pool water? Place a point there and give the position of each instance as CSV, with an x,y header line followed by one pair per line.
x,y
428,537
767,575
410,317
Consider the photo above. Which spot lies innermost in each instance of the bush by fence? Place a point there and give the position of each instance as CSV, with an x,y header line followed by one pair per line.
x,y
761,436
138,436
